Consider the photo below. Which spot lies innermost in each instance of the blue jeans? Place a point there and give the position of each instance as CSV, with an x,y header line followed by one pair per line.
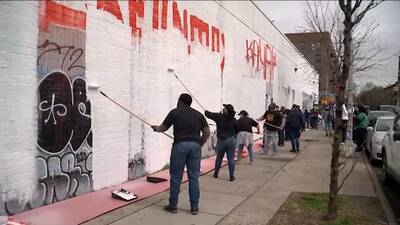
x,y
227,146
271,141
249,149
294,135
189,154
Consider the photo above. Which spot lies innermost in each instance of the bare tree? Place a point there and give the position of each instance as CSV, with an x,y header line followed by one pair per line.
x,y
353,14
369,52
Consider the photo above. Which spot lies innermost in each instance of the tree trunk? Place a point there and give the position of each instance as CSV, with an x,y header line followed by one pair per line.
x,y
334,189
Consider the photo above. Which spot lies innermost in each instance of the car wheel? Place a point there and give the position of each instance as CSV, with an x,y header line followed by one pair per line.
x,y
387,179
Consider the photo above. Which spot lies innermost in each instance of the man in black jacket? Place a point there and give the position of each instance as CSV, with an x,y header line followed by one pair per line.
x,y
227,129
186,150
273,120
294,123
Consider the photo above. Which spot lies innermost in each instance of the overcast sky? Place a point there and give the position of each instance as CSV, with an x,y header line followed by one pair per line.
x,y
288,17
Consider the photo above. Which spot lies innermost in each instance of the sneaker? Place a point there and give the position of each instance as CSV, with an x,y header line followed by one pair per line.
x,y
170,209
292,150
194,210
232,179
215,175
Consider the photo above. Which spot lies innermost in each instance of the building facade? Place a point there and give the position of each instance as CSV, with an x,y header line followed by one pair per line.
x,y
318,50
60,138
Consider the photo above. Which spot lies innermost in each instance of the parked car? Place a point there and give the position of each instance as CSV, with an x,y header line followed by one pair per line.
x,y
375,135
373,114
391,153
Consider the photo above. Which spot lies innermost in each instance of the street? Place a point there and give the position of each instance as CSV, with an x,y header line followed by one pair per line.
x,y
392,192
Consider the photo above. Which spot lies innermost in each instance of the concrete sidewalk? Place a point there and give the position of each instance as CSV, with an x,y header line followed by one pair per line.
x,y
256,194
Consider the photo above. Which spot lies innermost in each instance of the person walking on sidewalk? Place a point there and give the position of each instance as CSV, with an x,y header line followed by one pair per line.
x,y
186,150
227,129
295,123
307,118
328,119
273,121
345,120
245,135
281,131
361,123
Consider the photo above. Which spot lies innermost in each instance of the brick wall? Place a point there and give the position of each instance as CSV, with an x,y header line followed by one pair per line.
x,y
225,52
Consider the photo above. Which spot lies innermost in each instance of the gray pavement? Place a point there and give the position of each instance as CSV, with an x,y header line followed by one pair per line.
x,y
257,193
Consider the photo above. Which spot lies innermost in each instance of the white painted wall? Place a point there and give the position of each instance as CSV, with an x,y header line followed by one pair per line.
x,y
18,39
134,72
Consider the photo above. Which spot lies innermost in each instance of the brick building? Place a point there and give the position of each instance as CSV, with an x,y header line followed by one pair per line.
x,y
60,138
318,50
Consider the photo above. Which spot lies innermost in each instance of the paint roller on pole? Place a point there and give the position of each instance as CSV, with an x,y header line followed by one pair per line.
x,y
184,86
136,116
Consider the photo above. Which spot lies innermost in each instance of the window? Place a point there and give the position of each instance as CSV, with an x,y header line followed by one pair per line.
x,y
384,124
313,47
396,126
318,58
318,45
302,45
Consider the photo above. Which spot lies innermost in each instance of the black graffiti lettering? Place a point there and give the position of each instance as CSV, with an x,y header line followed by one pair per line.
x,y
54,47
136,166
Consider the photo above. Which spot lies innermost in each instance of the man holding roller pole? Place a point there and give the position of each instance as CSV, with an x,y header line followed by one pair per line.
x,y
186,150
227,129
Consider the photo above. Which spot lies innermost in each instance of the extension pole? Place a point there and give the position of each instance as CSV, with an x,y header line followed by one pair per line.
x,y
184,86
137,117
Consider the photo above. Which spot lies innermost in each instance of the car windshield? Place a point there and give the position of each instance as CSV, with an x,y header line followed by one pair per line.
x,y
384,124
373,115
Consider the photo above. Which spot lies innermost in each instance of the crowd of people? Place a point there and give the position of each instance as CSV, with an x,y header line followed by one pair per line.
x,y
191,132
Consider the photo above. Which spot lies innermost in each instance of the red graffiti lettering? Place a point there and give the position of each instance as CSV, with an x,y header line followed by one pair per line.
x,y
263,58
58,14
110,6
177,20
201,26
164,11
214,38
136,10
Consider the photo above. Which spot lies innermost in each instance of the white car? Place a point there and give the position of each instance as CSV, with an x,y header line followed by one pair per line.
x,y
391,152
375,135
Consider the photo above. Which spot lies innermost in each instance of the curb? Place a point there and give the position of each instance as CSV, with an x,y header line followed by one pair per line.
x,y
378,189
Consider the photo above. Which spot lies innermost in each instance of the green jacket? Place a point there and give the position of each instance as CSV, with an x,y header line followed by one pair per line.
x,y
361,120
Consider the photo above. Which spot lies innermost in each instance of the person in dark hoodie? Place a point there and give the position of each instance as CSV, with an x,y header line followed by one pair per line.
x,y
245,135
295,123
227,129
188,123
273,121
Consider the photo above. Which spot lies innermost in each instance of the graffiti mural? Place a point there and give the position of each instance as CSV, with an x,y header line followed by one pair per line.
x,y
262,57
64,139
136,166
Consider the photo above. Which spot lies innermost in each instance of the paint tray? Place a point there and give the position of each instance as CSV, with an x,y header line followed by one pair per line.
x,y
155,179
123,194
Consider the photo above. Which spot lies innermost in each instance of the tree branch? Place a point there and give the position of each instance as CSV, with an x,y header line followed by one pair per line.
x,y
347,175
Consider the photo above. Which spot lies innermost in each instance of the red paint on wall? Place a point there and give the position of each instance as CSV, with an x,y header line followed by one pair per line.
x,y
110,6
164,12
58,14
201,26
136,10
177,23
155,14
263,58
214,39
222,65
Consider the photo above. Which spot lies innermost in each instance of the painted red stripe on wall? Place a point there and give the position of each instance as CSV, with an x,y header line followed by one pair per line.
x,y
54,13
